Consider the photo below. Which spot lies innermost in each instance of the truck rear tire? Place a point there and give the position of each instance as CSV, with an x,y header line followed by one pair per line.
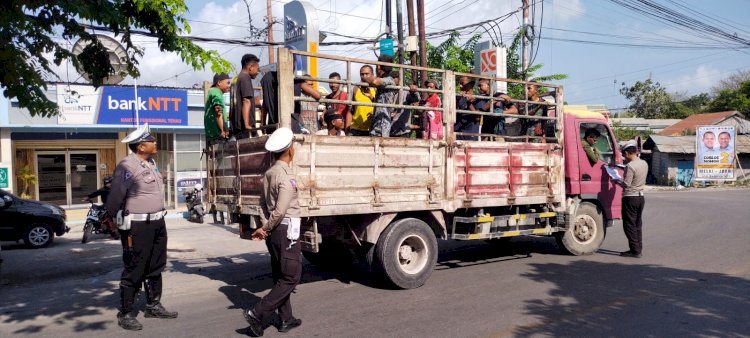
x,y
585,234
406,253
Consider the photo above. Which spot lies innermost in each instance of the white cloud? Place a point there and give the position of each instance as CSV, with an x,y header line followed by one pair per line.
x,y
564,11
699,81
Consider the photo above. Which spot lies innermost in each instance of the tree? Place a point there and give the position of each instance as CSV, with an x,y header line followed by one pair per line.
x,y
650,100
460,58
628,133
732,81
28,41
27,177
730,99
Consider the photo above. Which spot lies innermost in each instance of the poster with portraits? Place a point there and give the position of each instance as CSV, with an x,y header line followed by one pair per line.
x,y
715,155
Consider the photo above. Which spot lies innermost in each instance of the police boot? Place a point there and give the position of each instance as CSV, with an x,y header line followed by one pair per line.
x,y
154,309
126,316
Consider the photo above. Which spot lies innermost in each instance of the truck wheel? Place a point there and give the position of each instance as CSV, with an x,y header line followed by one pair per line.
x,y
586,233
406,253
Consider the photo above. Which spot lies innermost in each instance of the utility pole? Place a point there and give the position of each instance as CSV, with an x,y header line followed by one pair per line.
x,y
269,18
525,56
422,41
400,28
388,18
412,32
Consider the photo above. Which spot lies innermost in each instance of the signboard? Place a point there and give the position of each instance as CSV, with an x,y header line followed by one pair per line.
x,y
77,104
301,32
186,181
155,106
492,61
4,178
715,153
386,47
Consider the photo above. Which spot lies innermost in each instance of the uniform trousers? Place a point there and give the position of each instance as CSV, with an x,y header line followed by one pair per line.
x,y
632,221
286,268
144,254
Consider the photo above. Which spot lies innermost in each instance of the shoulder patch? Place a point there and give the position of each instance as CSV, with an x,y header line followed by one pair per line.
x,y
128,174
293,182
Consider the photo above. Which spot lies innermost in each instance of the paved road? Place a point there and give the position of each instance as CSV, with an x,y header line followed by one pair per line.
x,y
694,280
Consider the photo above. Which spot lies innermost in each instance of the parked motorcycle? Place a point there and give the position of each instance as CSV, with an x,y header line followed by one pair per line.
x,y
98,221
194,203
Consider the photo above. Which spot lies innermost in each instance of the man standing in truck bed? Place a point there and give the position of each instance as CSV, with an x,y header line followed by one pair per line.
x,y
280,219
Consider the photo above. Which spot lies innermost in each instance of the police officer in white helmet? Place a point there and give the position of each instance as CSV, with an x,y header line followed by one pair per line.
x,y
280,228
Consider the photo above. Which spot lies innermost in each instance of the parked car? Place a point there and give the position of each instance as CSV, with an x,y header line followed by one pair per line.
x,y
36,223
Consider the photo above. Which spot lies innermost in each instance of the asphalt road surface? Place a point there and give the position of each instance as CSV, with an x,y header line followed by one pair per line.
x,y
693,280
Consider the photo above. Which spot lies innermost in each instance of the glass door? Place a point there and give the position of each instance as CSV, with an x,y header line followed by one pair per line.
x,y
83,175
66,177
52,177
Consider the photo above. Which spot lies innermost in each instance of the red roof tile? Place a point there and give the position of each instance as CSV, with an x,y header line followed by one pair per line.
x,y
693,121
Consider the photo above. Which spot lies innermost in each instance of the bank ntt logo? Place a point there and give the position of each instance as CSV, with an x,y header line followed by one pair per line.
x,y
118,105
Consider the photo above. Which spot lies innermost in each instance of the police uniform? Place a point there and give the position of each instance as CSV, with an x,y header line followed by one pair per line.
x,y
136,202
633,203
280,219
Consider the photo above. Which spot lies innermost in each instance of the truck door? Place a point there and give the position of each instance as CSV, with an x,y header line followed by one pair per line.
x,y
594,180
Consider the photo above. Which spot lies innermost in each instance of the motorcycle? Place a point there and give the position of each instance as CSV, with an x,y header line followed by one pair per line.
x,y
98,221
194,204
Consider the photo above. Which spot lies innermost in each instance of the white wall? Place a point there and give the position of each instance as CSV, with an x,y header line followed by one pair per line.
x,y
6,155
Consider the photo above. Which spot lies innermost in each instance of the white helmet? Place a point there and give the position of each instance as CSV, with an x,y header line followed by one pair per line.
x,y
198,187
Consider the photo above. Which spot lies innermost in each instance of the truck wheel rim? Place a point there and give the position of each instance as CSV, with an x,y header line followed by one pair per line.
x,y
38,236
585,229
412,255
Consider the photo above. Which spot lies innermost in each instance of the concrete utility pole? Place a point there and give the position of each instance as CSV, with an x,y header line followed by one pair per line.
x,y
400,28
412,32
388,18
269,18
525,56
422,41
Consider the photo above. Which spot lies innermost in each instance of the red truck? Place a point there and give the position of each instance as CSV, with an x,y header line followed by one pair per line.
x,y
390,199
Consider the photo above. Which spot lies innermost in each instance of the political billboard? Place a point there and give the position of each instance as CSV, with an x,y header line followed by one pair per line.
x,y
715,153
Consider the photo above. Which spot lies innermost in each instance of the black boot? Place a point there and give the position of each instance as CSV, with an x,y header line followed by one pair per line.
x,y
154,309
126,316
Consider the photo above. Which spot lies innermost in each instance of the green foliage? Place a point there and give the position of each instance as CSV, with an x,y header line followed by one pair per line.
x,y
515,69
628,133
449,55
27,39
650,100
27,177
731,99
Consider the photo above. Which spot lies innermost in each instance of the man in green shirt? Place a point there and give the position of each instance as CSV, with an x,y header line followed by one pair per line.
x,y
589,139
215,122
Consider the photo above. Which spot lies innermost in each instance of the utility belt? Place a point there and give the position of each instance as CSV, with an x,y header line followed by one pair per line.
x,y
633,194
123,221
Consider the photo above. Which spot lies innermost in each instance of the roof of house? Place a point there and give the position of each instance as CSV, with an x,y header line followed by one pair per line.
x,y
639,122
686,144
693,121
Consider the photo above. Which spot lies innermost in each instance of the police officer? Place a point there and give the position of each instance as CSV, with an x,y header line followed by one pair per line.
x,y
280,228
633,201
136,202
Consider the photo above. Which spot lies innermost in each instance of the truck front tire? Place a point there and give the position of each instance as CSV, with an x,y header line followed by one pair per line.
x,y
585,234
406,253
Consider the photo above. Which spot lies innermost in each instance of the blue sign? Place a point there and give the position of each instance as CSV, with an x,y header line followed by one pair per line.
x,y
166,107
386,47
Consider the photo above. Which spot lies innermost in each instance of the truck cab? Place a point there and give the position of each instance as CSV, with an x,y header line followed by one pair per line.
x,y
589,182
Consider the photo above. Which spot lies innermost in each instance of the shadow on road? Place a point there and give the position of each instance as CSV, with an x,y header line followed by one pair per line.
x,y
593,299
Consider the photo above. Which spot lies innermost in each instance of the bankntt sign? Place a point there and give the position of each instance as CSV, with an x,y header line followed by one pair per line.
x,y
154,106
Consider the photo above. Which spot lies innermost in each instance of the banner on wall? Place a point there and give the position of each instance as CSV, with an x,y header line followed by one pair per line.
x,y
78,104
185,181
715,155
155,106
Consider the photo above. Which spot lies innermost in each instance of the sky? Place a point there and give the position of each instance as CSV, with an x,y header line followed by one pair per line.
x,y
623,50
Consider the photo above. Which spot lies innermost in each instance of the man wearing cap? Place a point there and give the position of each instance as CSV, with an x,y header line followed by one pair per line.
x,y
633,201
136,202
280,228
215,122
